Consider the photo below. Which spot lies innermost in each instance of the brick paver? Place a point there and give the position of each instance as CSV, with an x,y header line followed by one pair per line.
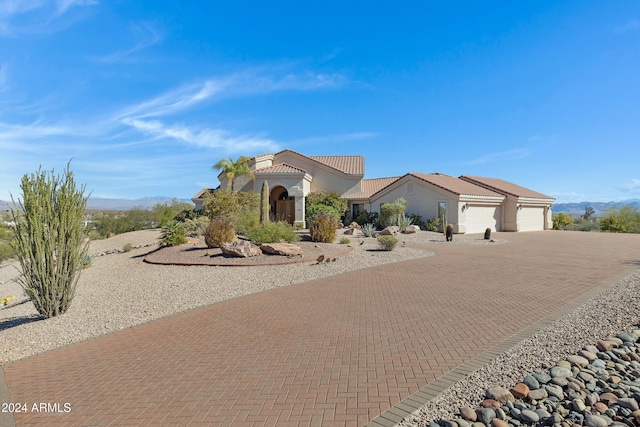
x,y
333,352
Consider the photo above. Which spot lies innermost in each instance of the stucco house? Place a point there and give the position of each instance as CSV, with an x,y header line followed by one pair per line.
x,y
471,204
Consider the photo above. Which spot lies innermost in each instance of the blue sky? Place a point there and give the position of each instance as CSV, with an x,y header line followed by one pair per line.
x,y
145,96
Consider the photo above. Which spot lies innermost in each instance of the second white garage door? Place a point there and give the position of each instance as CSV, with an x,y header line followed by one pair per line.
x,y
479,218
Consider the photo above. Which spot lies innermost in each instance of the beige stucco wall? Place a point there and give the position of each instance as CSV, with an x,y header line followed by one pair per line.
x,y
422,201
297,186
324,178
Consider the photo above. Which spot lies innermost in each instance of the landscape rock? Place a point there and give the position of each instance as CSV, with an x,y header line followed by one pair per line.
x,y
500,394
538,394
486,415
349,231
283,249
355,225
240,249
520,391
411,229
529,416
391,230
468,413
578,361
595,421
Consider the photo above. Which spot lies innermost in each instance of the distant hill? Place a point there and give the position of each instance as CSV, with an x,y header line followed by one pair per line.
x,y
100,203
577,209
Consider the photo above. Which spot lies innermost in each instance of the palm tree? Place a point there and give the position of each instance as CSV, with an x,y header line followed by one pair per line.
x,y
234,168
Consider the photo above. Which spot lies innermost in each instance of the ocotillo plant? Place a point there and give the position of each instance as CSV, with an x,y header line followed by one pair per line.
x,y
264,203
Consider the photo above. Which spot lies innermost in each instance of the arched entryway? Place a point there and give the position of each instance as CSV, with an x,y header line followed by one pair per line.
x,y
283,206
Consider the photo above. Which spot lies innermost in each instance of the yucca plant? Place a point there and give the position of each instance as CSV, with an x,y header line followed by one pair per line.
x,y
50,244
404,222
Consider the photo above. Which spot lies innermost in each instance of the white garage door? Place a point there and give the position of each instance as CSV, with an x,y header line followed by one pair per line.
x,y
479,218
531,219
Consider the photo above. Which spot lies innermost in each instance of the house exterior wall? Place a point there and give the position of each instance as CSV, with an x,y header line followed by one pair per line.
x,y
297,186
323,178
422,200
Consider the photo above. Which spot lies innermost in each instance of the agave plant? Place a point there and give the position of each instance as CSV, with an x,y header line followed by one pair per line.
x,y
368,230
404,222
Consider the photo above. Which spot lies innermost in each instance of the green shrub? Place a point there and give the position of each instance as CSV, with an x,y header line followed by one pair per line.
x,y
6,237
165,212
332,199
387,243
433,224
127,248
173,234
246,220
323,228
587,225
365,217
625,219
561,221
220,230
272,232
87,260
227,202
404,222
314,210
195,227
50,244
390,213
368,229
345,241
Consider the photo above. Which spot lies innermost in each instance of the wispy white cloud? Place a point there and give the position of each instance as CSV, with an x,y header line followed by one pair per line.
x,y
206,137
146,35
632,25
34,16
631,187
502,156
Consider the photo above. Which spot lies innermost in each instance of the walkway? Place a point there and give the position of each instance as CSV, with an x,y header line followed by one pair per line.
x,y
333,352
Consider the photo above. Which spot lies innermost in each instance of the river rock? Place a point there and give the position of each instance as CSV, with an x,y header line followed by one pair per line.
x,y
628,402
578,360
595,421
490,403
499,394
538,394
554,390
600,407
499,423
486,415
529,416
391,230
588,355
542,377
606,345
558,371
531,382
468,413
520,390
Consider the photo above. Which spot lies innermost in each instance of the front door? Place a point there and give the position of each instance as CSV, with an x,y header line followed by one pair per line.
x,y
283,207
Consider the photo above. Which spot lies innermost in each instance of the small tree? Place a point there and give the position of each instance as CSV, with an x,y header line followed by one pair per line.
x,y
561,221
589,212
49,240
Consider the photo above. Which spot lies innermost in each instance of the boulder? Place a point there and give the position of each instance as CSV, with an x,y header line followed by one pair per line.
x,y
240,249
500,394
349,231
391,230
520,391
355,225
411,229
284,249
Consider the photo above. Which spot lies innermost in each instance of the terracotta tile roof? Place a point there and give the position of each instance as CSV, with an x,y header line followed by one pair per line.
x,y
372,186
505,187
280,168
351,165
455,185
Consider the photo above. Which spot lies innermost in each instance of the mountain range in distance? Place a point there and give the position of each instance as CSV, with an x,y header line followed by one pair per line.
x,y
102,203
600,208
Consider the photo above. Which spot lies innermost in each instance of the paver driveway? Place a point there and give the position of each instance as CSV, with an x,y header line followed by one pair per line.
x,y
336,351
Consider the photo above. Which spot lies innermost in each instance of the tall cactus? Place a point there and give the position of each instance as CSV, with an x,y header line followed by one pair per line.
x,y
264,203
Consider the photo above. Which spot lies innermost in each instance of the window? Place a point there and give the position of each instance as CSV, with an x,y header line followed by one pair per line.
x,y
442,210
356,209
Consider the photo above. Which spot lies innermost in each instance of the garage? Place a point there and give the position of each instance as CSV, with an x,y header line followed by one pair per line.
x,y
479,218
531,218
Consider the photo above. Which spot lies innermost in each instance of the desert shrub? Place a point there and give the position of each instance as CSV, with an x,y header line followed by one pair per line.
x,y
227,202
110,223
387,243
246,220
404,222
314,210
221,229
127,248
345,241
417,220
390,213
195,227
50,243
368,229
432,224
86,261
561,221
272,232
625,219
173,234
168,211
587,225
332,199
6,237
365,217
323,228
